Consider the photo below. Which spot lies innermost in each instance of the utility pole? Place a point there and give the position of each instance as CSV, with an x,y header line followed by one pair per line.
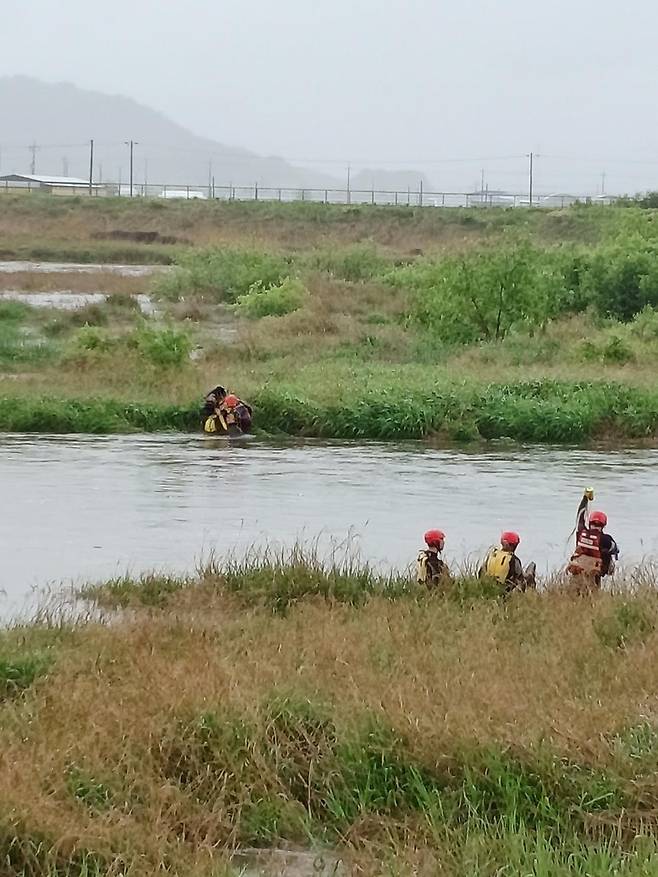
x,y
132,144
531,179
91,166
33,164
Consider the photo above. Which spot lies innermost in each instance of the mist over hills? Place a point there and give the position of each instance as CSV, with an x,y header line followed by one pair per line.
x,y
60,119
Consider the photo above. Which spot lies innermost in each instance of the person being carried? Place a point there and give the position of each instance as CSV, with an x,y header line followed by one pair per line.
x,y
224,412
596,551
503,565
431,570
236,412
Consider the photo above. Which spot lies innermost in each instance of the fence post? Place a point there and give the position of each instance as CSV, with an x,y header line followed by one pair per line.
x,y
326,196
396,198
303,195
255,191
420,194
443,199
279,194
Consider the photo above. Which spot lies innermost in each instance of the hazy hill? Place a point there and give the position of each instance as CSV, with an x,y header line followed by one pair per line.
x,y
62,118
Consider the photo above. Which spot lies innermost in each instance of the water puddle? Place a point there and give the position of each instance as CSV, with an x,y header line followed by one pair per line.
x,y
81,268
287,863
67,300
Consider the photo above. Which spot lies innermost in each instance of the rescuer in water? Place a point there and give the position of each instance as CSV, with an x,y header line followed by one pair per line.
x,y
503,565
225,413
430,566
596,551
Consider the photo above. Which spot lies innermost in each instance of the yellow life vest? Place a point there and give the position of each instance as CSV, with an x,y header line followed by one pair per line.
x,y
211,424
423,573
498,564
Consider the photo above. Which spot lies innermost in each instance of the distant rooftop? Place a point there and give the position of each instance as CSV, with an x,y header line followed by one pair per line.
x,y
45,180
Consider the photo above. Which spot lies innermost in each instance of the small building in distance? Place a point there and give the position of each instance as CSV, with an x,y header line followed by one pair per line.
x,y
17,183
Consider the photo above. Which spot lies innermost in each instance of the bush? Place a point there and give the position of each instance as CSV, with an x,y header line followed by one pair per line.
x,y
614,350
482,296
163,347
13,311
272,301
622,279
224,275
353,264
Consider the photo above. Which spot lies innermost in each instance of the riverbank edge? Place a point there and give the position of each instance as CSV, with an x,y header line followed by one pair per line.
x,y
535,412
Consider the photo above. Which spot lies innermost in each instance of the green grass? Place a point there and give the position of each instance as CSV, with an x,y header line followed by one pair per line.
x,y
537,411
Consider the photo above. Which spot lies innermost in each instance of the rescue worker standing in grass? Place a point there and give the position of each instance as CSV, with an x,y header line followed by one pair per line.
x,y
503,565
596,551
431,568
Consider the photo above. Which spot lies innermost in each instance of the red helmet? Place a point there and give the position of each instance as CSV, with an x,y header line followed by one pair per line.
x,y
599,518
510,537
231,401
435,538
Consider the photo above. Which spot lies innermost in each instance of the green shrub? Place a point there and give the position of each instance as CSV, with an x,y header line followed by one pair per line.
x,y
622,278
272,301
353,264
92,338
18,673
483,295
13,311
222,274
645,324
613,350
164,347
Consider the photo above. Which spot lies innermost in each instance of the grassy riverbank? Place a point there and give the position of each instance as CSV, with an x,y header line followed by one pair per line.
x,y
542,326
278,703
525,411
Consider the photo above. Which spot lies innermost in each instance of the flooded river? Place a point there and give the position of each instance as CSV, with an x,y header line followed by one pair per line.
x,y
78,508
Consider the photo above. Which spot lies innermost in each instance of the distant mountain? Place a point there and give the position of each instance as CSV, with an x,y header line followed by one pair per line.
x,y
61,119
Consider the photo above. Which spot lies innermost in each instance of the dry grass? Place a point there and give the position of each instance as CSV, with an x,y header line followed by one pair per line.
x,y
119,706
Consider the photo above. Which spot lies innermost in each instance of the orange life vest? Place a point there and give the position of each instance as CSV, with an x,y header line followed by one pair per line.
x,y
587,559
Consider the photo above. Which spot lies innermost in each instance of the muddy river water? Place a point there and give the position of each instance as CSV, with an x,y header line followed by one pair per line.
x,y
79,508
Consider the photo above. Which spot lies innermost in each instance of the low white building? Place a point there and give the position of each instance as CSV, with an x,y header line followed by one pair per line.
x,y
50,184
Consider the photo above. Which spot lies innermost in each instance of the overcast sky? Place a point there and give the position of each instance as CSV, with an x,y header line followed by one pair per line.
x,y
401,83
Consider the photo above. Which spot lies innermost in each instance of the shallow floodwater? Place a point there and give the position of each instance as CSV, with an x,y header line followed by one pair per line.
x,y
80,268
78,508
66,300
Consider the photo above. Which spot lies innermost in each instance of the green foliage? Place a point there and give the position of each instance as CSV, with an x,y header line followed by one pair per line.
x,y
94,794
627,623
613,349
152,590
161,346
92,338
274,301
622,278
484,294
645,324
222,274
49,414
13,311
281,580
353,264
19,672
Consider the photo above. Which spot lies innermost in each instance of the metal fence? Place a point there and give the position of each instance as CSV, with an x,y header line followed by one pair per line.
x,y
375,197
